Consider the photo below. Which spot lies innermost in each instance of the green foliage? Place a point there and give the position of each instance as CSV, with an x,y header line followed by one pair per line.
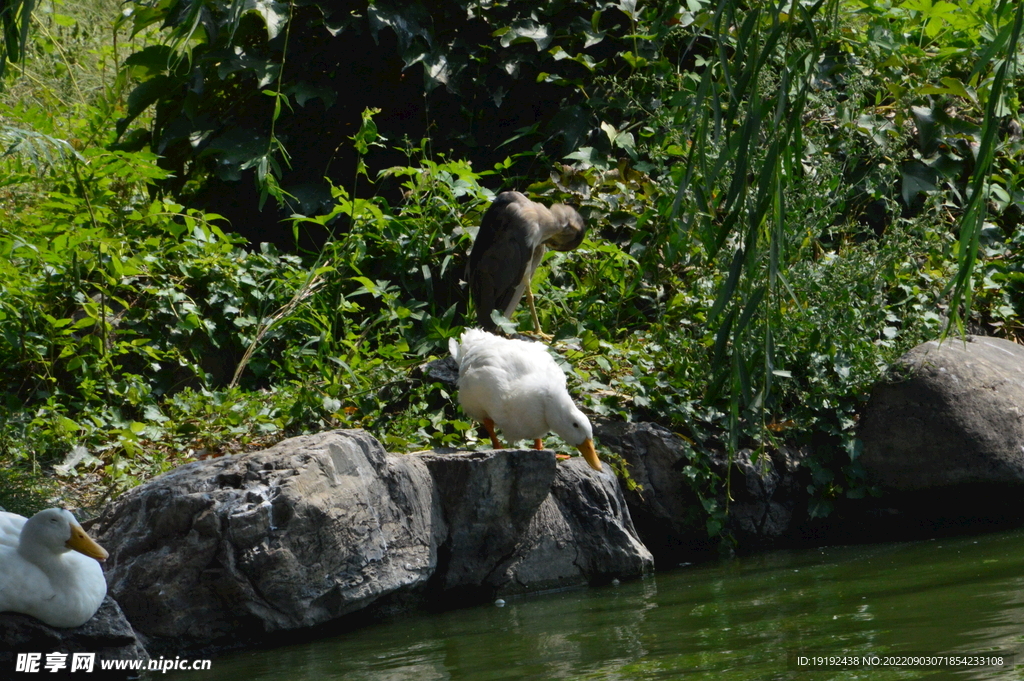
x,y
778,199
14,21
232,84
110,301
23,493
750,189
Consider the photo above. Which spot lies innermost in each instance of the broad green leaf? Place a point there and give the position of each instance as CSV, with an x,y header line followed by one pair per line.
x,y
916,178
275,14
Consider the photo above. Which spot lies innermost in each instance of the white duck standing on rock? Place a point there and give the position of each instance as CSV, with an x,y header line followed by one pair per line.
x,y
49,568
516,386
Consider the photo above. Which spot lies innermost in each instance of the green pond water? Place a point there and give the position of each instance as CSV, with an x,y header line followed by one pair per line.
x,y
745,618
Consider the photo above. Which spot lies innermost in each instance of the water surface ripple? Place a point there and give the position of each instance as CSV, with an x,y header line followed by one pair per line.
x,y
736,619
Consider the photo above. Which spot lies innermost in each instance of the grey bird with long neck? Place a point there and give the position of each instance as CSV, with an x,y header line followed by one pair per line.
x,y
514,234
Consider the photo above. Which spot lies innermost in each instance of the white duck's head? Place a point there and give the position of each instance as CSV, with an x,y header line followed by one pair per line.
x,y
573,426
56,530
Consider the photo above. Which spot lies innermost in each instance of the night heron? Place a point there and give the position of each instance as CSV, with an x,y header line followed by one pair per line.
x,y
516,386
511,242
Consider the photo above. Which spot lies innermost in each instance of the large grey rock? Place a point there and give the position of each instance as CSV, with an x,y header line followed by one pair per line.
x,y
302,533
519,522
488,499
768,497
668,515
218,553
581,534
107,634
951,415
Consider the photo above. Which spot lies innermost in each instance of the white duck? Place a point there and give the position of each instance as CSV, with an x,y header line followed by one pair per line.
x,y
516,386
48,568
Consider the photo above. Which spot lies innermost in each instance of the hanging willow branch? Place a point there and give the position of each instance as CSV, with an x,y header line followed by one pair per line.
x,y
973,218
15,16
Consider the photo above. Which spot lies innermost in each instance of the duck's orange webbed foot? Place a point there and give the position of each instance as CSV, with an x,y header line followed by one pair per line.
x,y
539,444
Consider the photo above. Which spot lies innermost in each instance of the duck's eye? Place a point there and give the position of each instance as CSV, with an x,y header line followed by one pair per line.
x,y
575,425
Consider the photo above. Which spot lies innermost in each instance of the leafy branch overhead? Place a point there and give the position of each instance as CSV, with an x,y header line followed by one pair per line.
x,y
486,68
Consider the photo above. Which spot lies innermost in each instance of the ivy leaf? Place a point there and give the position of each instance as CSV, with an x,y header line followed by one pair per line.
x,y
952,86
234,149
78,455
367,134
635,61
141,97
266,71
592,37
589,157
150,61
927,129
526,29
506,325
628,7
303,91
409,21
275,14
589,30
877,127
819,508
917,178
610,130
622,140
435,70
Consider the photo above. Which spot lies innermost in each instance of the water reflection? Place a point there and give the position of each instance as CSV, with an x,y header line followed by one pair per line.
x,y
733,620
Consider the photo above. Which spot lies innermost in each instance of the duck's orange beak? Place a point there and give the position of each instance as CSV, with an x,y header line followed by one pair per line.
x,y
85,545
589,453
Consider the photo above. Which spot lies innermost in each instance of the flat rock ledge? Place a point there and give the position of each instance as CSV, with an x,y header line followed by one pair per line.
x,y
108,634
219,553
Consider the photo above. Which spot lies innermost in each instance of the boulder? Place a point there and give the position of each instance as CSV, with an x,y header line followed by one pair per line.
x,y
520,522
218,553
108,635
487,499
299,534
668,515
951,413
768,492
769,498
943,436
582,533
